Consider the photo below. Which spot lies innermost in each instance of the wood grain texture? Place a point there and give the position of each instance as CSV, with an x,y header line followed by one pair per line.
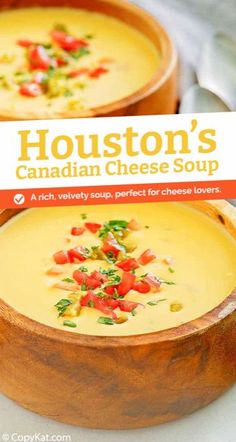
x,y
121,382
159,96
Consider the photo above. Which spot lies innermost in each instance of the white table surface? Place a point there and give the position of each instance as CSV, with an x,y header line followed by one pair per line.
x,y
217,422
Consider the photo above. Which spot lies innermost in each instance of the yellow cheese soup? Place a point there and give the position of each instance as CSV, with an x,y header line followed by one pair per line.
x,y
59,60
115,270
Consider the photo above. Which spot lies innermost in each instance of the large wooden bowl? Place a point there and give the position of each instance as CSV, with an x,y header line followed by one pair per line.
x,y
120,382
159,94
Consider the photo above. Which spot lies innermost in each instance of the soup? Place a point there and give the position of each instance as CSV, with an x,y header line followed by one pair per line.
x,y
56,61
115,270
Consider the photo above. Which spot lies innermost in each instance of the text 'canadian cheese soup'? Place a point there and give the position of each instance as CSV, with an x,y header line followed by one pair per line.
x,y
55,61
115,270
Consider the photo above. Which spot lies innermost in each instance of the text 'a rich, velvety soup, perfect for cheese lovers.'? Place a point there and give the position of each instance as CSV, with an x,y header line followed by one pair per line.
x,y
115,270
59,60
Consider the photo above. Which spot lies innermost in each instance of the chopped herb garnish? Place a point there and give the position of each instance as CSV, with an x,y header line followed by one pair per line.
x,y
62,306
108,272
83,269
70,324
171,270
147,227
134,312
71,281
83,287
113,226
106,321
115,280
89,36
84,216
167,282
91,304
80,53
152,303
100,294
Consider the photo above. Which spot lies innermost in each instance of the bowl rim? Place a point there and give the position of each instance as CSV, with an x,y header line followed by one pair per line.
x,y
226,309
164,70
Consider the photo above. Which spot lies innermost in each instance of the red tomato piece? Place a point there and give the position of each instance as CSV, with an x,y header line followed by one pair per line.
x,y
111,246
134,225
110,289
126,284
78,73
127,306
113,303
79,253
77,231
141,287
93,227
61,62
98,72
99,276
80,277
128,264
93,283
68,42
146,257
31,89
98,303
61,257
39,58
25,43
153,281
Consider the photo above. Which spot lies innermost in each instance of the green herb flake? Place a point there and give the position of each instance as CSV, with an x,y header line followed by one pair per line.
x,y
153,303
83,269
68,93
105,321
171,270
71,324
71,281
84,287
91,304
80,53
84,216
134,312
60,27
89,36
62,305
167,282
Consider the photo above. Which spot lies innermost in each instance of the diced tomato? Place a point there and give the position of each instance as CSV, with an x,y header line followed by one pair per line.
x,y
61,62
127,306
93,283
141,287
78,73
96,73
99,304
128,264
31,89
93,227
25,43
113,303
68,42
61,257
111,246
39,58
110,289
80,277
134,225
79,253
99,276
126,284
153,281
77,231
146,257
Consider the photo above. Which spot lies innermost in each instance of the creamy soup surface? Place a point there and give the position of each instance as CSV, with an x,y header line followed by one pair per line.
x,y
59,60
186,259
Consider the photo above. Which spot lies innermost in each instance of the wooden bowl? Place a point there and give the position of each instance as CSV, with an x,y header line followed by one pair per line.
x,y
159,96
120,382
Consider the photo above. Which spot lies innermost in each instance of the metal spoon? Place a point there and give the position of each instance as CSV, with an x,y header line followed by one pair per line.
x,y
198,99
217,68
